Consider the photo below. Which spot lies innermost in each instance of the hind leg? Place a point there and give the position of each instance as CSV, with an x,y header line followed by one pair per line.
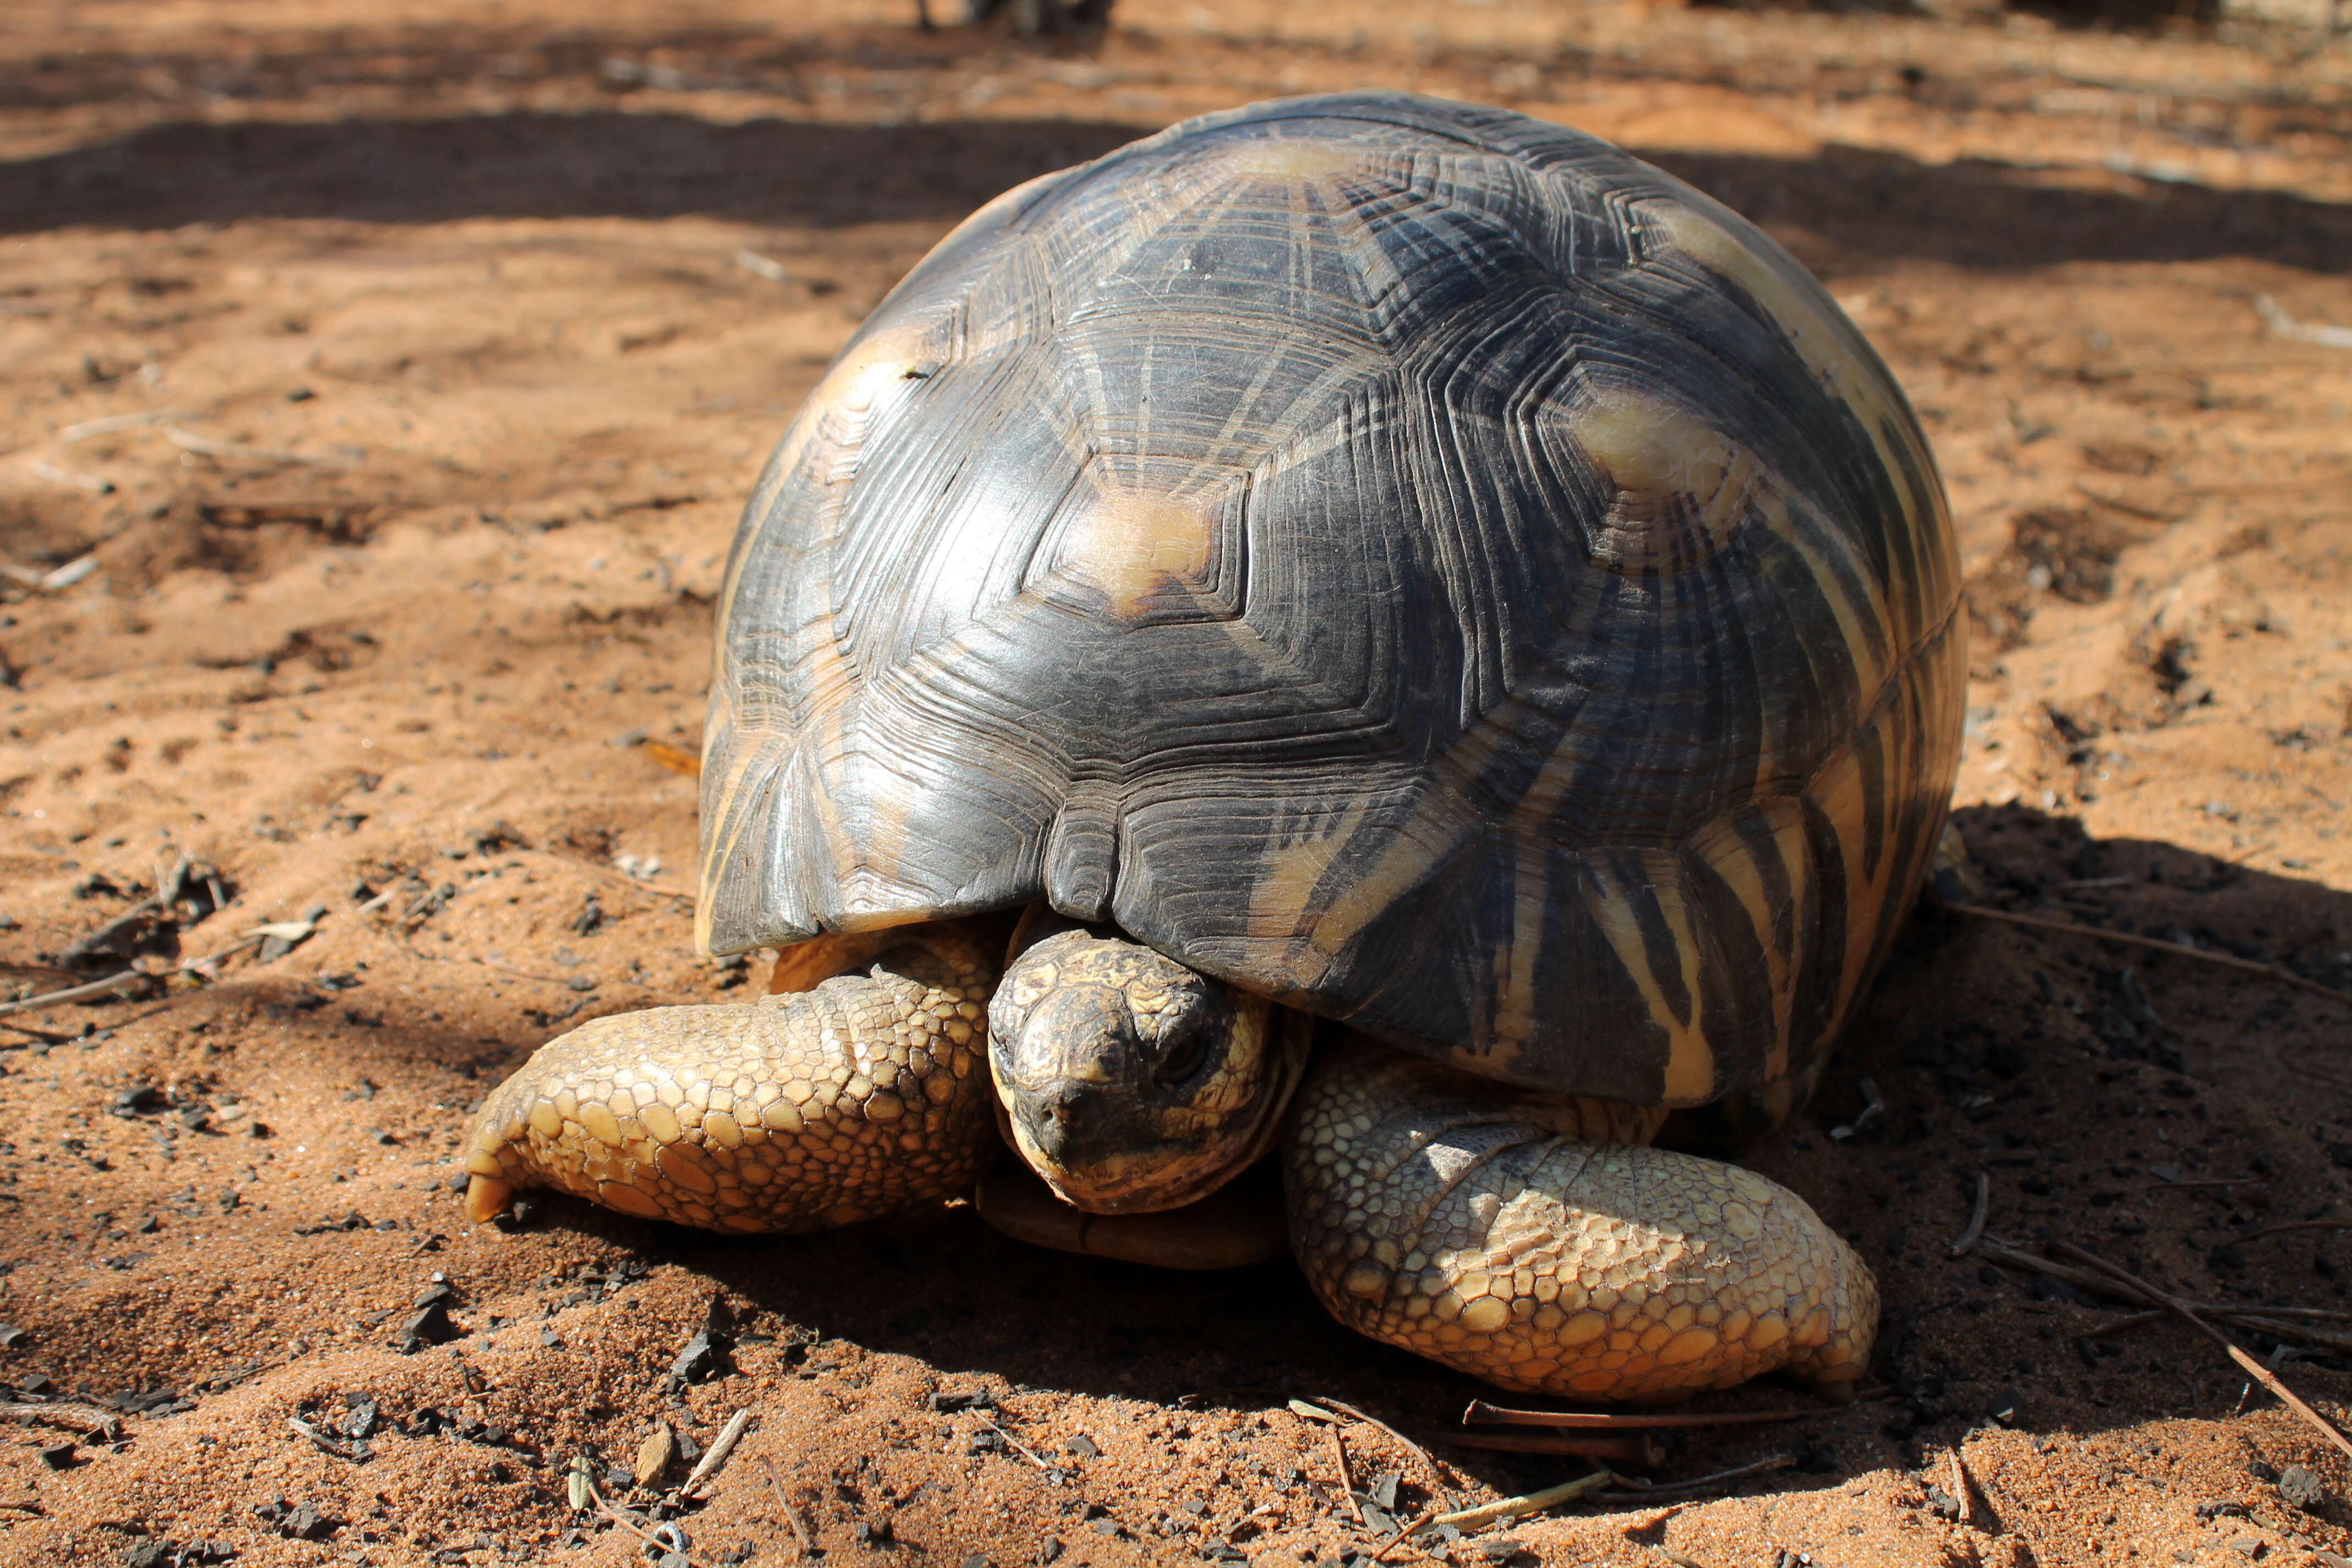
x,y
1536,1243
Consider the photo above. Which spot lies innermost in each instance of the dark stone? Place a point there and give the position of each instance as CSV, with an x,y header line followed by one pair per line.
x,y
428,1326
2301,1488
947,1402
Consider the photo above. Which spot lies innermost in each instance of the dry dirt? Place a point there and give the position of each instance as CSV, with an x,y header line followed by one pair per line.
x,y
403,366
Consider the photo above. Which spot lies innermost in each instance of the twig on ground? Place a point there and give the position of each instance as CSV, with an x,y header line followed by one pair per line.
x,y
1533,1502
1962,1492
628,1521
1016,1444
238,452
75,993
1347,1481
617,874
1873,1105
96,484
319,1441
1765,1466
677,759
716,1455
1428,1516
2282,326
86,1419
2160,1184
2262,1374
759,266
2264,1319
1975,1232
802,1536
1482,1414
1410,1446
2284,977
2297,1224
113,423
2129,509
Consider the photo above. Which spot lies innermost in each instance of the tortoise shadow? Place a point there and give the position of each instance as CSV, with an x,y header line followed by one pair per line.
x,y
1944,1041
1848,207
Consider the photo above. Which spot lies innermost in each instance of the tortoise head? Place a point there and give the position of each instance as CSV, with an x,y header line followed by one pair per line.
x,y
1130,1083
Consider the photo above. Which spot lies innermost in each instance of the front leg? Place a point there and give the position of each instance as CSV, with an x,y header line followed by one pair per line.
x,y
1520,1238
863,1096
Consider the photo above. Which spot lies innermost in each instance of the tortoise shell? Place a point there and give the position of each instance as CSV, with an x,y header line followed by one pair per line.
x,y
1409,560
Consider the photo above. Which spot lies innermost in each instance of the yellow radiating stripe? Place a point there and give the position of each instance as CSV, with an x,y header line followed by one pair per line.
x,y
1514,978
1831,347
1690,1060
1288,873
1732,856
1412,852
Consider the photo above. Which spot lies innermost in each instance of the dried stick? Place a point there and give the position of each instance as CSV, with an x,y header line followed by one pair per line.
x,y
2263,1318
2298,1224
74,993
1427,1519
2229,960
1640,1489
1533,1502
239,452
1962,1489
627,1521
334,1446
800,1532
1016,1444
86,1419
2260,1373
1975,1232
1480,1413
1347,1481
716,1455
1415,1449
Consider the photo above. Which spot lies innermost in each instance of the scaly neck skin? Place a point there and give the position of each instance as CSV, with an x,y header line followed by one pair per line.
x,y
1130,1083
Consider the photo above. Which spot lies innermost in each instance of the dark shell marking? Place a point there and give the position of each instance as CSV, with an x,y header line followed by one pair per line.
x,y
1410,559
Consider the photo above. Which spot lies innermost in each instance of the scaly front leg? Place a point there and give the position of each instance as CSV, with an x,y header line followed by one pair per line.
x,y
866,1095
1533,1242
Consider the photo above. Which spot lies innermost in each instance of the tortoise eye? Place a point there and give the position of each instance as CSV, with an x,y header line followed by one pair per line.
x,y
1183,1055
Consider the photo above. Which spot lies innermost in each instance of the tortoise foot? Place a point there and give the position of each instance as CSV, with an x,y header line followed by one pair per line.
x,y
1470,1222
863,1097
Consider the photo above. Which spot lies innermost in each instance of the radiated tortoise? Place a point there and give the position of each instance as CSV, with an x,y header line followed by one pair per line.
x,y
1364,630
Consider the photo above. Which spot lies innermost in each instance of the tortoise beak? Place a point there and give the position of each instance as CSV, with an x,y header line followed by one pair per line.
x,y
1056,1082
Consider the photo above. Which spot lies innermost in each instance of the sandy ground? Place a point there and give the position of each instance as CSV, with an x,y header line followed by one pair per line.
x,y
397,370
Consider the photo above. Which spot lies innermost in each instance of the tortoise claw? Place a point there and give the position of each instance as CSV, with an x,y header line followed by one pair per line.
x,y
487,1197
